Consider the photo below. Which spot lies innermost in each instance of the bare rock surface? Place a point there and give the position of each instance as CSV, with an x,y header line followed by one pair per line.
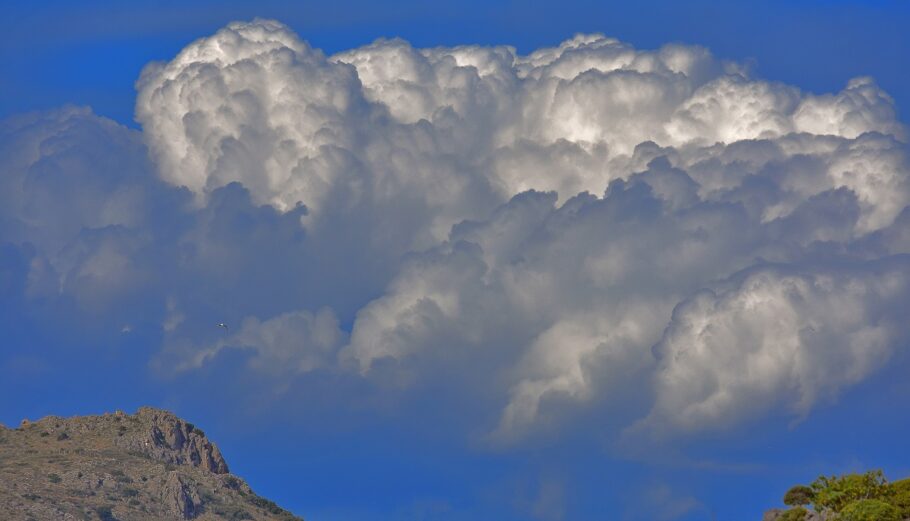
x,y
146,466
169,439
182,501
773,514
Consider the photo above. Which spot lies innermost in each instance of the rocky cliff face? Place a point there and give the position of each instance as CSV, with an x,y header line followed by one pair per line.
x,y
169,439
150,465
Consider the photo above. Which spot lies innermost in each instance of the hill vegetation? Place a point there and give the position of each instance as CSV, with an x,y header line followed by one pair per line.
x,y
848,497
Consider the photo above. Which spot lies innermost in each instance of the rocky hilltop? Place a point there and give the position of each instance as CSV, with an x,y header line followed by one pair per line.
x,y
145,466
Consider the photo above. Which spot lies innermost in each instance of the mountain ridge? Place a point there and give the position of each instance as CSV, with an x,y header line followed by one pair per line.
x,y
150,465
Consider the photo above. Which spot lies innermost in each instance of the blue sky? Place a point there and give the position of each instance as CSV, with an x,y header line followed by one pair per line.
x,y
91,52
658,277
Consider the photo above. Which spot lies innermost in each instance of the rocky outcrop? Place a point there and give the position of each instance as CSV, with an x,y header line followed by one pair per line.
x,y
169,439
773,514
181,500
148,466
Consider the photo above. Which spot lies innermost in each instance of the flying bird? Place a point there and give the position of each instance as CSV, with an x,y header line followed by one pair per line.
x,y
222,324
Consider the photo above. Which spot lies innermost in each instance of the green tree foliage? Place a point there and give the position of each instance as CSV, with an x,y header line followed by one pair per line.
x,y
794,514
836,492
798,496
870,510
901,497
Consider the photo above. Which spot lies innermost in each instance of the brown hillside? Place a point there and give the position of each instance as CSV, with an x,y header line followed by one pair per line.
x,y
146,466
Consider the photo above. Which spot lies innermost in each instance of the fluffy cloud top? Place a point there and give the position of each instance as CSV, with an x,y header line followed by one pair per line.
x,y
581,225
255,104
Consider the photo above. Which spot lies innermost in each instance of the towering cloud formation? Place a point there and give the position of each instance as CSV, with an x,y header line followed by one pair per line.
x,y
581,225
253,104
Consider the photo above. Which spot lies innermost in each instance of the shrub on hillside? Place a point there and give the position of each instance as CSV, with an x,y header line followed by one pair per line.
x,y
870,510
105,513
794,514
901,497
836,492
798,496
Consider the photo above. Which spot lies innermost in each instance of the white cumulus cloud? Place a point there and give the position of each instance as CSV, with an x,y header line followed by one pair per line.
x,y
776,339
586,227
